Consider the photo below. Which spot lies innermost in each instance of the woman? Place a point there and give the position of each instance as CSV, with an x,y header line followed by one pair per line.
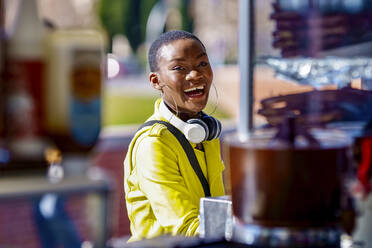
x,y
162,188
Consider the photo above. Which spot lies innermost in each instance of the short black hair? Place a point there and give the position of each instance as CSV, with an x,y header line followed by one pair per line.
x,y
165,39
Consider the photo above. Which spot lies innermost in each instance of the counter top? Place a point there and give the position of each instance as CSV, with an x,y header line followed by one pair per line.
x,y
23,186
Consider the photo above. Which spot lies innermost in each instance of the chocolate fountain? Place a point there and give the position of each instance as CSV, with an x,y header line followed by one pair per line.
x,y
292,175
289,188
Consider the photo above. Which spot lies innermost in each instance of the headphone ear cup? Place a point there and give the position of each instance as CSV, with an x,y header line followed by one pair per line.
x,y
214,127
196,131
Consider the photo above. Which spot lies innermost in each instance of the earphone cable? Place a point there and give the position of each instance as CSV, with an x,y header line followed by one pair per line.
x,y
175,104
217,100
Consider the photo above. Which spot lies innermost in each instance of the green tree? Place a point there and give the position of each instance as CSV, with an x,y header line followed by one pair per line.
x,y
187,20
127,17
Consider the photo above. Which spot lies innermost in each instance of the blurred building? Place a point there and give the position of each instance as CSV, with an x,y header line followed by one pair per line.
x,y
216,24
70,13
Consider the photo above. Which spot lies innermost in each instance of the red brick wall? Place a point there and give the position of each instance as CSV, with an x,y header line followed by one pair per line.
x,y
109,155
17,228
16,225
17,221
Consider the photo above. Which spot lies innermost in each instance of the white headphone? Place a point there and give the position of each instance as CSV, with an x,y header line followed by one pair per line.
x,y
195,130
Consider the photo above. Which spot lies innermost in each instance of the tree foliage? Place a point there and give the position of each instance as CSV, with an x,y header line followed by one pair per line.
x,y
126,17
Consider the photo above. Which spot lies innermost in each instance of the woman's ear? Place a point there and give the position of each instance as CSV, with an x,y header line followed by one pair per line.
x,y
154,80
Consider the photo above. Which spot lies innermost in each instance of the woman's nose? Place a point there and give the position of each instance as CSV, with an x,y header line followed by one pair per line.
x,y
193,75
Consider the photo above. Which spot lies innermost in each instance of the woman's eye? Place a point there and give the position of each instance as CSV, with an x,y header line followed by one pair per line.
x,y
203,63
178,68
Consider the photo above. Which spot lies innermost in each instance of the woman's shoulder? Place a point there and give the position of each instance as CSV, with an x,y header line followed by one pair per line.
x,y
154,139
157,130
155,133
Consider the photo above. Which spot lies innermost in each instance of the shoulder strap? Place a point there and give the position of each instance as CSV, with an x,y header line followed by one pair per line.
x,y
188,150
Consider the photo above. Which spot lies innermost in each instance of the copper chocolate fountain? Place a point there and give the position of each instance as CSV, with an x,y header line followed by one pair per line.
x,y
293,176
290,192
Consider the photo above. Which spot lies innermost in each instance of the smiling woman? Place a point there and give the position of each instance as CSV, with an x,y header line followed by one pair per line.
x,y
184,76
174,159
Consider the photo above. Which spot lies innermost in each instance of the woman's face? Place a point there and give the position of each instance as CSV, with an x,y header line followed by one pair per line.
x,y
184,76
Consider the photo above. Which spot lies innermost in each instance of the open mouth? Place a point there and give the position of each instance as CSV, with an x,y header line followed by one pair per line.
x,y
195,92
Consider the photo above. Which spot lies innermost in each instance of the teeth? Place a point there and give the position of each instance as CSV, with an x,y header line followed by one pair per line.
x,y
195,88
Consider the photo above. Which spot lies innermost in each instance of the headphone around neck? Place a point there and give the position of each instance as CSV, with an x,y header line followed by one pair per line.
x,y
195,130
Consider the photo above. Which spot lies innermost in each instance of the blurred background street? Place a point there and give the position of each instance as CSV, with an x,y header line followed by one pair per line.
x,y
121,32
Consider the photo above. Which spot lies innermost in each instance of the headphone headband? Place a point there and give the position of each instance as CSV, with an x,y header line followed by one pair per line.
x,y
169,116
195,130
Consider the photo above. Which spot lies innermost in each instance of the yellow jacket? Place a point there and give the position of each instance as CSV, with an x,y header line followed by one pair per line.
x,y
162,191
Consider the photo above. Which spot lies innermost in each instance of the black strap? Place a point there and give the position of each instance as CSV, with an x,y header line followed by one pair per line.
x,y
188,150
